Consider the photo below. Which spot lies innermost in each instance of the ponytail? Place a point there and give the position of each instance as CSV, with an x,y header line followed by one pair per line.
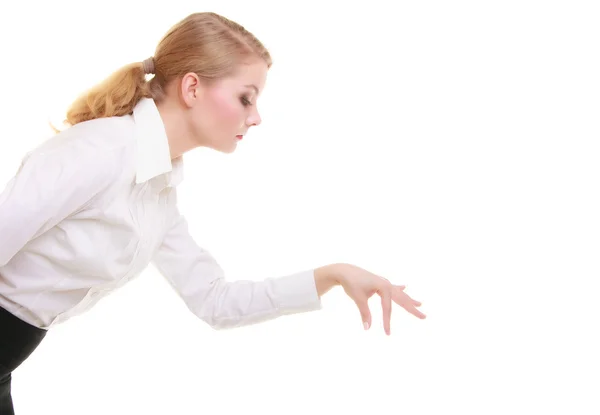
x,y
117,95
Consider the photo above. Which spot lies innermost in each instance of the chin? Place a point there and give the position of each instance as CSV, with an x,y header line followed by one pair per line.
x,y
225,149
220,147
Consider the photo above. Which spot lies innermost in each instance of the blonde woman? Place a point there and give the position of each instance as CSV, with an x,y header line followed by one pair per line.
x,y
90,208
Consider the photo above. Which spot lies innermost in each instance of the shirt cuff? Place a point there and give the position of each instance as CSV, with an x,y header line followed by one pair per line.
x,y
297,293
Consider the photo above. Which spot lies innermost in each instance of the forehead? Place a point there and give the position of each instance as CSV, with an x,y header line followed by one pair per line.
x,y
253,73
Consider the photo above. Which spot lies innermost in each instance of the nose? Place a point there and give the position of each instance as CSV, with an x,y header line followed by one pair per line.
x,y
253,119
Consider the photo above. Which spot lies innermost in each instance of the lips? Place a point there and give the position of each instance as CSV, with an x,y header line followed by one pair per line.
x,y
239,136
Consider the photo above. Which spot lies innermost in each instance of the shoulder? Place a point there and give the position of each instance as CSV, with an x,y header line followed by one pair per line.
x,y
103,135
98,151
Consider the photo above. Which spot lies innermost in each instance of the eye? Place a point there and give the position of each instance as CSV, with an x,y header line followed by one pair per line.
x,y
245,101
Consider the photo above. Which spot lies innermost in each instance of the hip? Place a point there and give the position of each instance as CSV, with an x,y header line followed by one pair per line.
x,y
18,339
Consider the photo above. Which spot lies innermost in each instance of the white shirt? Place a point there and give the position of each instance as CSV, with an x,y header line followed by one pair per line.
x,y
92,207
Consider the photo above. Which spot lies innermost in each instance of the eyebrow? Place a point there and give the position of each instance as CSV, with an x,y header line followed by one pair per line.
x,y
253,86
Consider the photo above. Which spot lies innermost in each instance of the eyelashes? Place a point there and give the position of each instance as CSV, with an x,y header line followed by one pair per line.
x,y
245,101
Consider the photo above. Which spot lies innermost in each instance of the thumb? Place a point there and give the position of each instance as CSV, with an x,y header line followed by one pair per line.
x,y
365,313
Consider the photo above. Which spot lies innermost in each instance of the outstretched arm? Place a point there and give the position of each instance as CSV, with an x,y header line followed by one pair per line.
x,y
200,281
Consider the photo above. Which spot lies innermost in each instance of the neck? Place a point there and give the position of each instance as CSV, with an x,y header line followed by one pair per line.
x,y
178,135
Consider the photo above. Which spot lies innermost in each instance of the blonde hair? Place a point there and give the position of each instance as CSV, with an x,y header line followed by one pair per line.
x,y
207,44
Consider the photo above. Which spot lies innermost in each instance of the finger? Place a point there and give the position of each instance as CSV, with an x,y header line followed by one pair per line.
x,y
365,313
386,305
401,297
415,312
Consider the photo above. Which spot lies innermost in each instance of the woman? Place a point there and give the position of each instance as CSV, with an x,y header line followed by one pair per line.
x,y
90,208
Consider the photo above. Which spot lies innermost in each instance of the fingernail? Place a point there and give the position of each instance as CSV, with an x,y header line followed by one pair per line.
x,y
366,325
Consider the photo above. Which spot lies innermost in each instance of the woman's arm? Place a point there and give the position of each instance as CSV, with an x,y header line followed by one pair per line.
x,y
200,281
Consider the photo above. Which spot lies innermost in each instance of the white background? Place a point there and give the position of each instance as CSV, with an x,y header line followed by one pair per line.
x,y
449,146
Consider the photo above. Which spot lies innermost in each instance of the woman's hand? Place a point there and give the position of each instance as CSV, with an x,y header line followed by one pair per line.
x,y
360,285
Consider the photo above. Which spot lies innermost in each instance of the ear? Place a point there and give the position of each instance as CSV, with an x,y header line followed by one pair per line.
x,y
190,89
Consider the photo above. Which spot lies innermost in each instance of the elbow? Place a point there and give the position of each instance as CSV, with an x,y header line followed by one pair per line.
x,y
218,320
233,323
226,306
210,309
220,323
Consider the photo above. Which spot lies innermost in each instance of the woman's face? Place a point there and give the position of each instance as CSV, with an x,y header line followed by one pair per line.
x,y
223,111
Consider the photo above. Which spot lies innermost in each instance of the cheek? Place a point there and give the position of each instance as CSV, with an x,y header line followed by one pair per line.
x,y
228,110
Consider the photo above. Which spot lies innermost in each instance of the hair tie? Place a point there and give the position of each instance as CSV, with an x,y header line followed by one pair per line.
x,y
148,65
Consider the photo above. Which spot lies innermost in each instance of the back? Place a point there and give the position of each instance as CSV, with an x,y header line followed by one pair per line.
x,y
66,219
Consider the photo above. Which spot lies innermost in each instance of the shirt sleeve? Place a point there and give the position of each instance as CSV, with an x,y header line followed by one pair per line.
x,y
199,280
48,187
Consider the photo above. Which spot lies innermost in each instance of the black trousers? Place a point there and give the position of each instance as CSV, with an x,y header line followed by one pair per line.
x,y
18,340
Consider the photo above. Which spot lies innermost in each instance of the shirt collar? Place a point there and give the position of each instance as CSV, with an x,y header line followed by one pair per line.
x,y
153,157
